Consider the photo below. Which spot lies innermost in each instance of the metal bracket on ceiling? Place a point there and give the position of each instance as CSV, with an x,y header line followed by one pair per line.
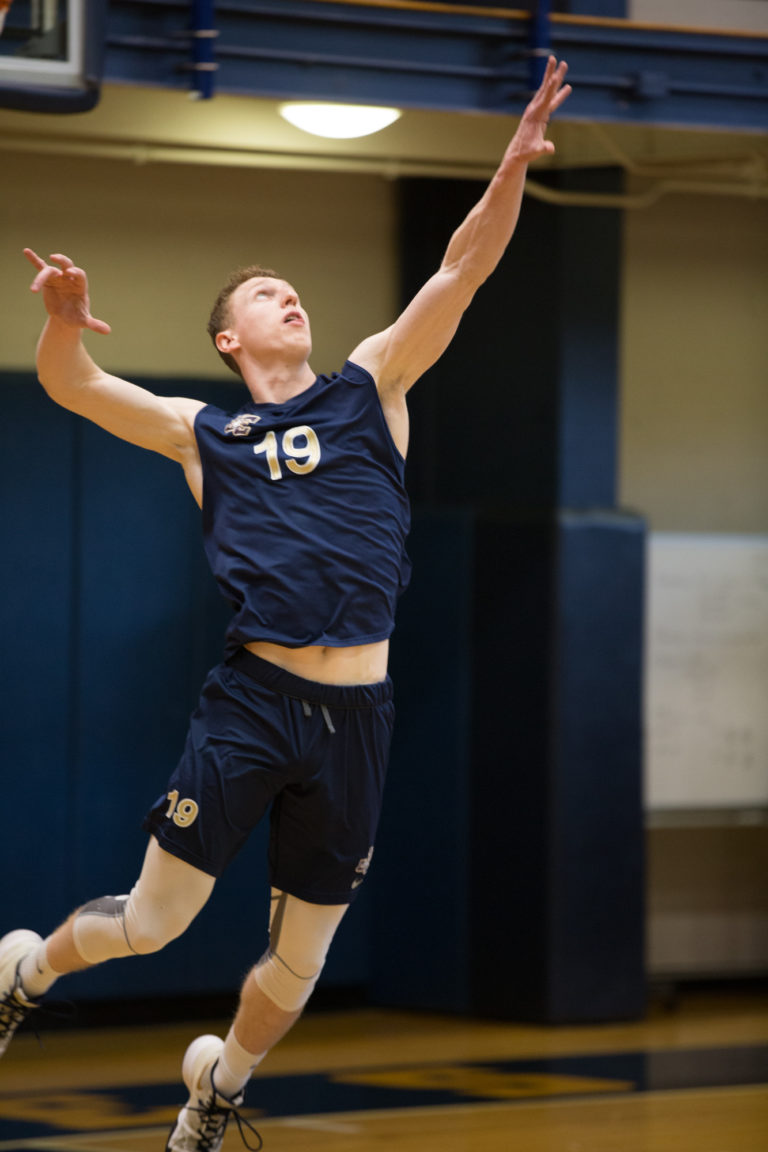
x,y
203,35
540,41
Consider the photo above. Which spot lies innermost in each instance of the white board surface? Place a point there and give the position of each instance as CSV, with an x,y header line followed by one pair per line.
x,y
706,671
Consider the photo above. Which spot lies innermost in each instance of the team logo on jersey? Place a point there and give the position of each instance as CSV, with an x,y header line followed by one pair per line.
x,y
362,867
242,424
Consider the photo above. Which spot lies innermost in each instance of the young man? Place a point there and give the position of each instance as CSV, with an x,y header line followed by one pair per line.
x,y
305,518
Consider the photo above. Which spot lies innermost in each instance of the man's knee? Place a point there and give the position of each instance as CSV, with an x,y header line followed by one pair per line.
x,y
162,904
134,925
150,924
98,930
288,989
300,936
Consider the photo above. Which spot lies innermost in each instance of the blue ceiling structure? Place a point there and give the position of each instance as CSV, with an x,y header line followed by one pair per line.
x,y
434,54
461,57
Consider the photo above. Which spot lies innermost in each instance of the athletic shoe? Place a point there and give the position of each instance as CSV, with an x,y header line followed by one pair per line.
x,y
203,1119
15,1006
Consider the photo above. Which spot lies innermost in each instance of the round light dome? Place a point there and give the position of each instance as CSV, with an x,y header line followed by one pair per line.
x,y
338,121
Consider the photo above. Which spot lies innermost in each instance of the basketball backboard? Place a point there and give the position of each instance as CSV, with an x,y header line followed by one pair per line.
x,y
51,54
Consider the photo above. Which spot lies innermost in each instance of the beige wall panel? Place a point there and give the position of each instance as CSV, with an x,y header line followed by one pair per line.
x,y
737,15
158,241
694,364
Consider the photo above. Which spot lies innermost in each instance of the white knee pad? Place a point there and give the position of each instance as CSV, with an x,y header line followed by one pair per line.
x,y
164,901
300,935
99,930
115,926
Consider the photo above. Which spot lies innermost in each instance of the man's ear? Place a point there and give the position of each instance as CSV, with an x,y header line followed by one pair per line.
x,y
226,341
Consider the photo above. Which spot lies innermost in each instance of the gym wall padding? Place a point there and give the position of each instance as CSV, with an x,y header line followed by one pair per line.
x,y
528,845
109,620
557,861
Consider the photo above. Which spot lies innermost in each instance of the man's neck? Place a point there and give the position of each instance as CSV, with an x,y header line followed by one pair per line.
x,y
275,384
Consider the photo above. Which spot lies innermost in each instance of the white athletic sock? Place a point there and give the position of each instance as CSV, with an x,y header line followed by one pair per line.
x,y
234,1066
36,973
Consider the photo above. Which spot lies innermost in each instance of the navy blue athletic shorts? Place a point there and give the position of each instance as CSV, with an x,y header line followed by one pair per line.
x,y
317,753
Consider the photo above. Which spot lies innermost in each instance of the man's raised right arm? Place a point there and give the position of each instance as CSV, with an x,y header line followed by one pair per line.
x,y
71,378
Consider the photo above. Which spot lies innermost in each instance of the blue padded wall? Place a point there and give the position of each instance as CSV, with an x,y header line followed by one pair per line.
x,y
515,867
420,882
510,857
557,864
37,515
109,620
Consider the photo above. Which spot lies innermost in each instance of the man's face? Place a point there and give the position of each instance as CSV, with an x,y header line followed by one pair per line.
x,y
266,317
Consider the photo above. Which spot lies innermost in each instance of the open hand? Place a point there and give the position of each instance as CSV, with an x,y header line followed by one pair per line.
x,y
65,292
529,141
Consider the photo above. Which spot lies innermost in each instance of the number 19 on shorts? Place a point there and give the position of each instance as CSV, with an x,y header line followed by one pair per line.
x,y
182,812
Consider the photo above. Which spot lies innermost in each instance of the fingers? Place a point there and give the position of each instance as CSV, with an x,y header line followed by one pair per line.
x,y
551,65
552,92
48,272
99,326
69,285
560,98
42,269
39,263
554,73
552,89
34,258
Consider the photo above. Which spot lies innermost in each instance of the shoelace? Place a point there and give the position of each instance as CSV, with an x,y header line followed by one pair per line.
x,y
214,1120
242,1122
45,1012
12,1012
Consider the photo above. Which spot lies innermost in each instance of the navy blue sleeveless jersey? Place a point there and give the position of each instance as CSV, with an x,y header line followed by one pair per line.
x,y
305,514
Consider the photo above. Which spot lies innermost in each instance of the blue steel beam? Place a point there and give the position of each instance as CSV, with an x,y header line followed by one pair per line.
x,y
204,34
431,55
540,40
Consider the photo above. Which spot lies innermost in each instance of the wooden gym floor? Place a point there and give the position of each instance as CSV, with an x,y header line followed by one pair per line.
x,y
692,1077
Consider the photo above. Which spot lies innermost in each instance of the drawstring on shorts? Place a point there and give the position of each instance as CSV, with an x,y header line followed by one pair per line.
x,y
326,715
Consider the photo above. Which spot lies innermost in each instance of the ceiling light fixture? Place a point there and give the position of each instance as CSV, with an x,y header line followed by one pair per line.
x,y
339,121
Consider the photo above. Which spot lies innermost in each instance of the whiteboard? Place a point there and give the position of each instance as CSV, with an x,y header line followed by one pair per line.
x,y
706,671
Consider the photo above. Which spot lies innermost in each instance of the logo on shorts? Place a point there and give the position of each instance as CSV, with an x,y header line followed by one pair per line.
x,y
362,868
241,425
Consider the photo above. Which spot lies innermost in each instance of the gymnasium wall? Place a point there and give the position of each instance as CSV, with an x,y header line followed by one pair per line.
x,y
694,458
157,242
109,617
694,355
745,15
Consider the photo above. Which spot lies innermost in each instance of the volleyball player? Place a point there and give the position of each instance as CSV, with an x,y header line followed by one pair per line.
x,y
305,517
